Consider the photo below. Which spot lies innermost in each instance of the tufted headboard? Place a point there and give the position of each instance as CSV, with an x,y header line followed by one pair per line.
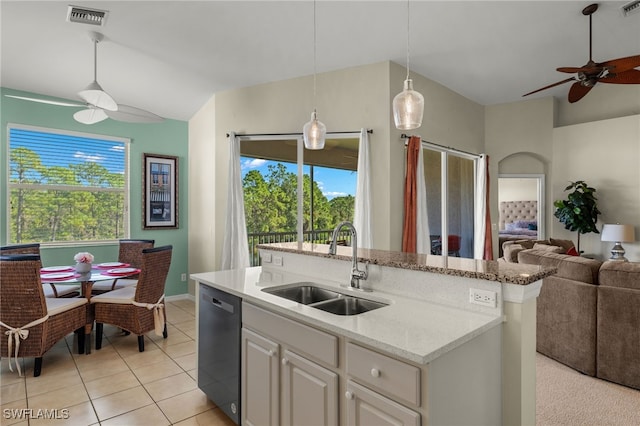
x,y
511,211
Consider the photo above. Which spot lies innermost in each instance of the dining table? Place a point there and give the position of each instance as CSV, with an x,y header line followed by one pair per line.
x,y
67,275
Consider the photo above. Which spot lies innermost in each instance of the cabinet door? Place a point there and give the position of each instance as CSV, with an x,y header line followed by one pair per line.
x,y
260,380
309,393
366,407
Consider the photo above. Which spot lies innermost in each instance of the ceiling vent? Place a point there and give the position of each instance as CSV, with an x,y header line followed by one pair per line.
x,y
84,15
630,8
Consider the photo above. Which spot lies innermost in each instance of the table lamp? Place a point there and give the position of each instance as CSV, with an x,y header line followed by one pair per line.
x,y
618,233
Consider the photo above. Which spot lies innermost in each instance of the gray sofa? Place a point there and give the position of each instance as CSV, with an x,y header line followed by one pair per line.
x,y
588,315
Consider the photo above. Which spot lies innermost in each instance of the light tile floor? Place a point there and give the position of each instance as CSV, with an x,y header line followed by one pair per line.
x,y
116,385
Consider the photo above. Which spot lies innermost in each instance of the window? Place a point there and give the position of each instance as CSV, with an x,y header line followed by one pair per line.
x,y
66,186
273,173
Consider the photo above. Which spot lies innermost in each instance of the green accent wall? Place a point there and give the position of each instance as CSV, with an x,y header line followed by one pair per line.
x,y
167,138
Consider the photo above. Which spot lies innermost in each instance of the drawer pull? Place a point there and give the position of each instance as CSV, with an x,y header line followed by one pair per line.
x,y
271,353
348,395
375,372
285,361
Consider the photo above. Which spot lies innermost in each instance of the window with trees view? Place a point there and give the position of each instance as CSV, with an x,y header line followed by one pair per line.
x,y
270,182
66,187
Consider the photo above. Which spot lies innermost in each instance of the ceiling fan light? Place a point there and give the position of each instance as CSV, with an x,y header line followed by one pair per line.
x,y
314,133
94,95
90,116
408,107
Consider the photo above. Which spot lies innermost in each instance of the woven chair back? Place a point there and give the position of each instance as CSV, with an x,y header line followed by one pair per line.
x,y
33,248
130,251
153,274
21,298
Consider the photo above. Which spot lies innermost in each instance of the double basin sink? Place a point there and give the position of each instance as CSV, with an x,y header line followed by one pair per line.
x,y
310,294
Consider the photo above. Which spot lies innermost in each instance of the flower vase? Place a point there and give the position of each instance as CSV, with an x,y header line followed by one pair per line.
x,y
83,268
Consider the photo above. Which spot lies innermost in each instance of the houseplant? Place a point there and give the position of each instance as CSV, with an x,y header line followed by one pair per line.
x,y
579,212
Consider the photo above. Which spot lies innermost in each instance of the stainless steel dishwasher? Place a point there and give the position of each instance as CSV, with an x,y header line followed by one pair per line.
x,y
219,349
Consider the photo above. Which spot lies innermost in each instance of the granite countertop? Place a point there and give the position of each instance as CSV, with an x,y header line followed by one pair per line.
x,y
491,270
409,328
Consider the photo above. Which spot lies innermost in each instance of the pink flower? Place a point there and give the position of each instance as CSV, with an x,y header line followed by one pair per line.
x,y
83,257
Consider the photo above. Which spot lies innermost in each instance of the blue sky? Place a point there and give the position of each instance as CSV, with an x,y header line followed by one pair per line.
x,y
332,182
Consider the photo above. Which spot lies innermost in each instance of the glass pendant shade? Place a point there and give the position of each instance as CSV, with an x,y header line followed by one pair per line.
x,y
408,107
314,133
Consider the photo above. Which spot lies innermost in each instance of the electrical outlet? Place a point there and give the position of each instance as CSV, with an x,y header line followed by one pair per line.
x,y
183,277
277,260
482,297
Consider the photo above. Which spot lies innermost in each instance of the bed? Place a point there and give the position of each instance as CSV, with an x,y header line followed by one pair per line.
x,y
518,221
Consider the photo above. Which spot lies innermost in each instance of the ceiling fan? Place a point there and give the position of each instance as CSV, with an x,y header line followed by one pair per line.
x,y
99,105
617,71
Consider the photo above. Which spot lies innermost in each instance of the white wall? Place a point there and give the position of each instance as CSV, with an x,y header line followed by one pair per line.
x,y
605,154
517,189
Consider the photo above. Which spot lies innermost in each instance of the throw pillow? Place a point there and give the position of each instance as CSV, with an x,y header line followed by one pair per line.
x,y
532,227
545,247
565,244
573,252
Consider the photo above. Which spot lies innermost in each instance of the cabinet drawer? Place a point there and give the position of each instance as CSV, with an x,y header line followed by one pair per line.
x,y
365,407
315,344
384,373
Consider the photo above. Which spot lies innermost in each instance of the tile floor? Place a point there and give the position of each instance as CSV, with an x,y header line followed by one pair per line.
x,y
116,385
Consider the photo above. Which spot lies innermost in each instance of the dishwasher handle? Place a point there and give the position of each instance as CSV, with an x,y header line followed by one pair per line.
x,y
221,304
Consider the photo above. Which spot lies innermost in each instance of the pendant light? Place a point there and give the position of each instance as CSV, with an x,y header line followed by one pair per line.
x,y
408,105
314,131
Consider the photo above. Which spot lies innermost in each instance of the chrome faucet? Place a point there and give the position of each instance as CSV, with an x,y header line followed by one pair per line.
x,y
356,274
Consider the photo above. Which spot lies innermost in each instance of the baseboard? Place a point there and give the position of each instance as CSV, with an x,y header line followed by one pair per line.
x,y
183,296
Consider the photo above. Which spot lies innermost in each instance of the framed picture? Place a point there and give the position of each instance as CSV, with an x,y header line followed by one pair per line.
x,y
160,192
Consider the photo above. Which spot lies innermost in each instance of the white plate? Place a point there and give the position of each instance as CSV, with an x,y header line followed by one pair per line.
x,y
110,264
57,276
56,269
120,271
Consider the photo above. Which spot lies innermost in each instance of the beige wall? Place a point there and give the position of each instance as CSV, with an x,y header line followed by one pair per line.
x,y
605,154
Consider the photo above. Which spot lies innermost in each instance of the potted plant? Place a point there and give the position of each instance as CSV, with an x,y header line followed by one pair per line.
x,y
579,212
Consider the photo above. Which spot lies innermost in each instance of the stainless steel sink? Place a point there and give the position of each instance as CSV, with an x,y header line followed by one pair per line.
x,y
349,305
331,301
304,293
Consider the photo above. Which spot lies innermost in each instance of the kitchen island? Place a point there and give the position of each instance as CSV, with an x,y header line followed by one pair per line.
x,y
428,357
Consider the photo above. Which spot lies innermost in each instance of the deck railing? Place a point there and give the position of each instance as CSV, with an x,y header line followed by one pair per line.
x,y
321,236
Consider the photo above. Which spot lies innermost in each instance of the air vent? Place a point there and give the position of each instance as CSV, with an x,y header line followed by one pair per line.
x,y
84,15
630,8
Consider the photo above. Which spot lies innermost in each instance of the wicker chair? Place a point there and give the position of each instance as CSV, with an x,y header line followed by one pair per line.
x,y
43,321
137,309
50,290
130,251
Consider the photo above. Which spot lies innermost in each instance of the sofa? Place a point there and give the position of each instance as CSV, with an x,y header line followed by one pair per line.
x,y
588,313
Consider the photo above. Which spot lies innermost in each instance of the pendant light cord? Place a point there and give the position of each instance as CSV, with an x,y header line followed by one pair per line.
x,y
314,55
408,36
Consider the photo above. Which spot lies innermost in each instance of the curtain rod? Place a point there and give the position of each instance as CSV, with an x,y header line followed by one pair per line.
x,y
446,148
355,132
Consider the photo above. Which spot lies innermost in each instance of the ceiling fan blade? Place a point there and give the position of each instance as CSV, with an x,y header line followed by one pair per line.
x,y
131,114
550,86
45,101
578,91
94,95
587,69
616,66
625,77
90,116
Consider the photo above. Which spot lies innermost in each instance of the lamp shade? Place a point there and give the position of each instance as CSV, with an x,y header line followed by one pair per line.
x,y
618,233
314,133
408,107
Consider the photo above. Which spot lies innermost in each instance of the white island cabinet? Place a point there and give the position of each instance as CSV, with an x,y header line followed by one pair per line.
x,y
429,357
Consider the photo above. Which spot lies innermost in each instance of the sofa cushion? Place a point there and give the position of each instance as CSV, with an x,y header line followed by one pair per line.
x,y
570,267
511,252
549,248
620,274
565,244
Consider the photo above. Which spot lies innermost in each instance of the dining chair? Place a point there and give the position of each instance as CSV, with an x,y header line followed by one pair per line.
x,y
138,309
50,290
33,322
129,251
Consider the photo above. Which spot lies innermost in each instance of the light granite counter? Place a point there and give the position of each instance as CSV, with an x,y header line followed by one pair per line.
x,y
500,271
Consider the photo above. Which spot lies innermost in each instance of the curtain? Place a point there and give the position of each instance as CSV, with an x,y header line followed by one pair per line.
x,y
235,250
409,228
423,239
363,209
483,244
